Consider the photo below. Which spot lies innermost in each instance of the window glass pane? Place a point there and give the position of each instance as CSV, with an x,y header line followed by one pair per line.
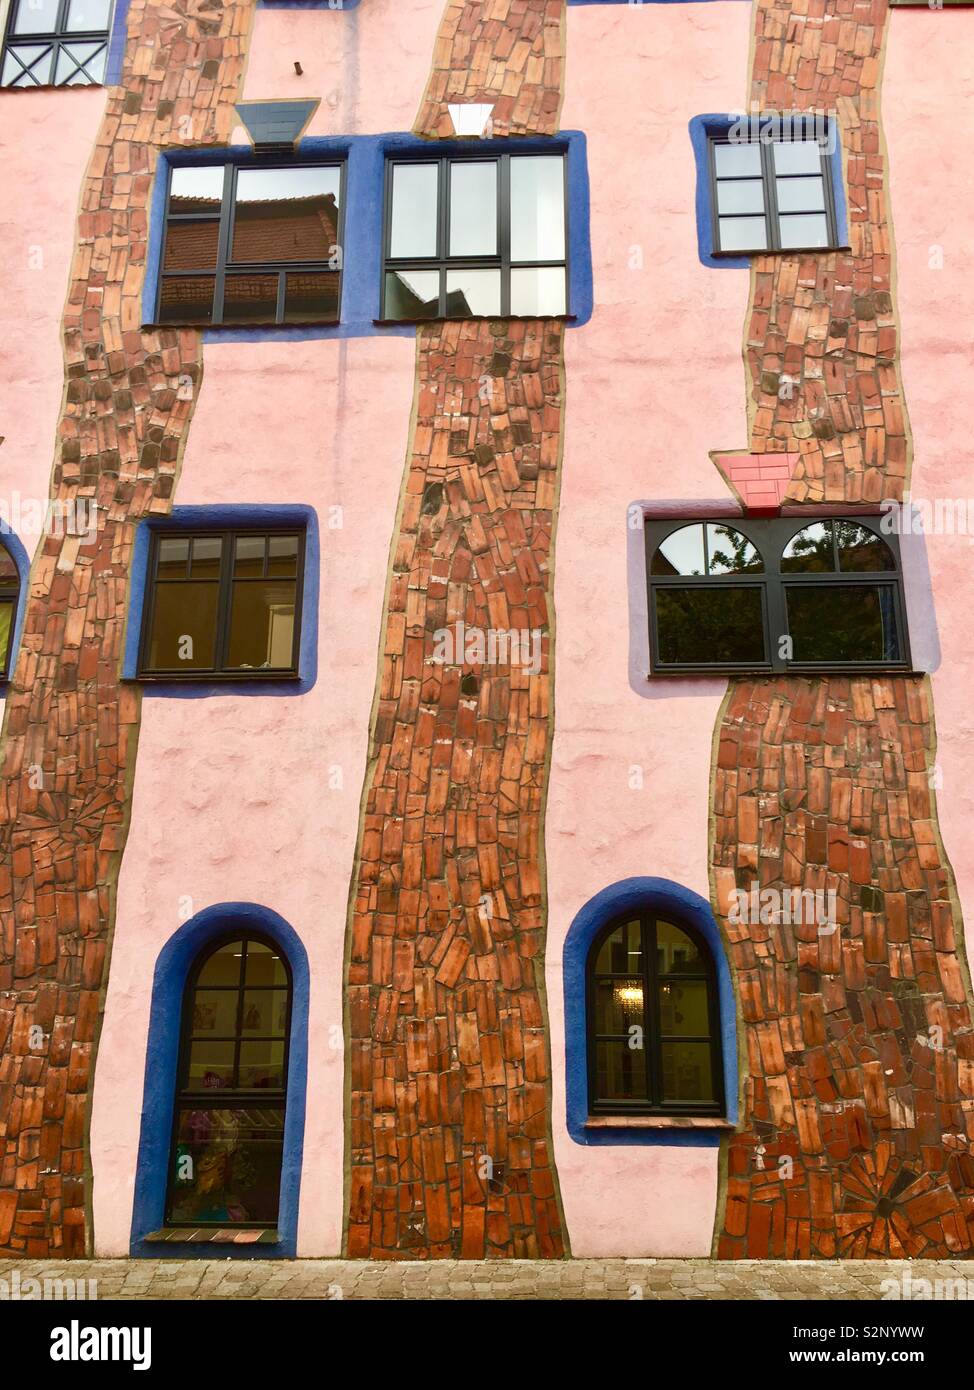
x,y
414,210
250,298
311,297
264,966
473,208
797,157
286,214
618,1005
210,1065
684,1009
800,195
87,15
80,64
186,299
261,624
8,569
677,952
191,245
412,294
737,160
743,195
861,549
173,555
840,622
196,189
470,292
262,1066
537,208
810,550
6,627
248,557
228,1166
620,1071
27,65
539,291
36,17
804,231
621,953
730,552
265,1012
207,551
223,967
282,556
681,552
183,635
743,234
215,1011
701,626
687,1072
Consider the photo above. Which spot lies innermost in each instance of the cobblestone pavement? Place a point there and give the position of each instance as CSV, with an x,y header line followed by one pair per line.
x,y
505,1279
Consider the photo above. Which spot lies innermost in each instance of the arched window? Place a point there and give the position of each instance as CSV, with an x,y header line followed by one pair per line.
x,y
653,1020
9,594
228,1128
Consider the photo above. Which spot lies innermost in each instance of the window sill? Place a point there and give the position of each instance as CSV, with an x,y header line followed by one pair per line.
x,y
211,677
786,250
658,1122
223,1235
482,318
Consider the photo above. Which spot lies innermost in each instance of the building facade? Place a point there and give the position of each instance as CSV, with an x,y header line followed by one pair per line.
x,y
486,762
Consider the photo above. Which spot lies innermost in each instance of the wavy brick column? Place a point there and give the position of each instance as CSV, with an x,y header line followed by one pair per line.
x,y
128,402
858,1127
826,320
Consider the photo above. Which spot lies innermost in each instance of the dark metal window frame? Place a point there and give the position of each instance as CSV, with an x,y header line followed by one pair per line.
x,y
184,1099
55,38
9,593
441,261
221,672
769,536
651,978
770,191
225,265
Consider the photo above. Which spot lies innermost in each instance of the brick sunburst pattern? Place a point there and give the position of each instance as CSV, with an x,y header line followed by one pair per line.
x,y
826,322
450,1152
70,727
860,1054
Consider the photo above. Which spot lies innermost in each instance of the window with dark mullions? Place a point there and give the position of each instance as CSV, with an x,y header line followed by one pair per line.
x,y
775,595
9,595
228,1125
56,43
475,237
653,1021
223,603
772,195
253,245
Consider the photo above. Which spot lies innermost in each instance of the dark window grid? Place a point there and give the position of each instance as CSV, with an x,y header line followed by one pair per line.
x,y
651,978
224,1098
225,265
220,670
9,593
769,540
442,261
770,193
55,38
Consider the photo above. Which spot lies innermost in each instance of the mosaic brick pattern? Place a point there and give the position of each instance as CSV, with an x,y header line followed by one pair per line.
x,y
509,53
859,1099
821,338
450,1147
70,727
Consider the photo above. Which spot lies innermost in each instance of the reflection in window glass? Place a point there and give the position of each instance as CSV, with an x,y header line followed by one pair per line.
x,y
414,188
286,215
537,208
473,208
35,17
538,292
9,591
227,1166
704,626
470,293
412,294
681,553
730,552
800,232
797,156
250,299
193,189
860,549
738,160
810,549
841,622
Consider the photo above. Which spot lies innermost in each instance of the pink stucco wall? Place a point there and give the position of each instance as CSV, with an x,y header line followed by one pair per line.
x,y
928,114
653,382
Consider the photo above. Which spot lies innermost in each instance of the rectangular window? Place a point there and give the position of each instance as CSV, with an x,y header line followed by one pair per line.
x,y
476,237
772,194
56,43
774,595
223,603
252,245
